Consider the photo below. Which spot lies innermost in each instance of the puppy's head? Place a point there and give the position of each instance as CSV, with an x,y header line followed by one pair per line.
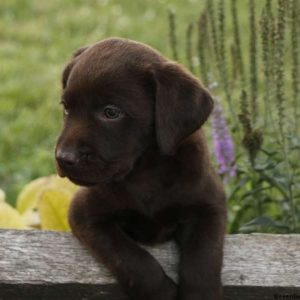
x,y
121,97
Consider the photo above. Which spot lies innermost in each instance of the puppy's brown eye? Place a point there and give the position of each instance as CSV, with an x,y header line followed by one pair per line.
x,y
112,112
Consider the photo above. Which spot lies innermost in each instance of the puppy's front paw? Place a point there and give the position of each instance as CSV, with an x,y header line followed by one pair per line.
x,y
167,291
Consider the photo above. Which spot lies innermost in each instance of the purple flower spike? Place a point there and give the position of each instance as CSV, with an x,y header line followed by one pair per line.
x,y
223,144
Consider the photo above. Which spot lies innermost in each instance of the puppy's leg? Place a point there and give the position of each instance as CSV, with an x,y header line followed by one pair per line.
x,y
201,246
139,274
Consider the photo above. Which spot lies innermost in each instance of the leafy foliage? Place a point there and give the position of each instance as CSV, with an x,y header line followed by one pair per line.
x,y
43,203
53,209
265,193
9,216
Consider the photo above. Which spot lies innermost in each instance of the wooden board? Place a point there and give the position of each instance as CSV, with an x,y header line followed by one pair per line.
x,y
45,265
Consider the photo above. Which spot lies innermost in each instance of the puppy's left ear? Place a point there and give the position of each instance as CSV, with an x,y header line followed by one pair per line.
x,y
67,70
182,105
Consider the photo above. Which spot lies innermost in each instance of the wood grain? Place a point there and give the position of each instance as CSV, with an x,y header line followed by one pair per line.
x,y
46,265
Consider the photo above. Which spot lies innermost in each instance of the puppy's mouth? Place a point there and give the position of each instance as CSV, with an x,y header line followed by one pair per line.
x,y
94,176
82,182
79,178
92,173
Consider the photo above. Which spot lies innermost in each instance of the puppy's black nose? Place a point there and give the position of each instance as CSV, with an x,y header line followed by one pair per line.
x,y
66,158
73,158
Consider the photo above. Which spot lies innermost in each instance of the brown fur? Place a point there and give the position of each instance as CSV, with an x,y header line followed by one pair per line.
x,y
146,175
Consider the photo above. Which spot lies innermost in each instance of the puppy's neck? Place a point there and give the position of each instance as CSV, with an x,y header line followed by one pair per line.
x,y
189,160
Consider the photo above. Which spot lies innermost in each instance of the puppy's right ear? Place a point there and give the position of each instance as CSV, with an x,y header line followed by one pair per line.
x,y
71,64
182,105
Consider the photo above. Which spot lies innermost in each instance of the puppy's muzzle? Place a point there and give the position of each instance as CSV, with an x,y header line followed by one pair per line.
x,y
73,160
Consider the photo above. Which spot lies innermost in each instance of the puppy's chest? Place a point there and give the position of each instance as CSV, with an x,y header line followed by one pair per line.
x,y
146,228
147,220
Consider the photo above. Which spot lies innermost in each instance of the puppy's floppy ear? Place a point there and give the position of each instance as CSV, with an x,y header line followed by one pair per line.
x,y
182,105
70,65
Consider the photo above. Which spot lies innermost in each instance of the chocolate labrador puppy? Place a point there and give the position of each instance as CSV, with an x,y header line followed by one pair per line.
x,y
132,138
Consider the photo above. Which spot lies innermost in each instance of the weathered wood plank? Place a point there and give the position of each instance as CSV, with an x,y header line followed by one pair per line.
x,y
45,265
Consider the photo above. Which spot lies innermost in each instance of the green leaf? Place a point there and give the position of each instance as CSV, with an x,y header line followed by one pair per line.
x,y
29,196
2,196
238,217
238,186
272,180
263,224
63,183
53,209
268,165
10,217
